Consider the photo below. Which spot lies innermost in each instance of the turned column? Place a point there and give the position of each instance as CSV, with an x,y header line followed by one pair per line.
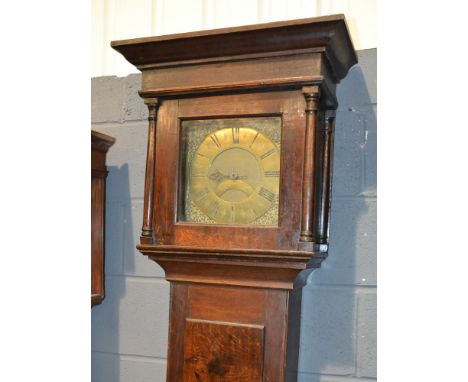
x,y
147,228
324,188
312,96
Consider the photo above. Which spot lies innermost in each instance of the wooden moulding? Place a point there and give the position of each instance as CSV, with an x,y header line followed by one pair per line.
x,y
328,99
245,267
275,71
100,144
328,32
263,57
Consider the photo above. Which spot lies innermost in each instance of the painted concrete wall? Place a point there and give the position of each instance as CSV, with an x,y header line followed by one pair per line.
x,y
123,19
338,326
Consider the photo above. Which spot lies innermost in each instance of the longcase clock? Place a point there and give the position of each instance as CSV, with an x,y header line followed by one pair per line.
x,y
238,185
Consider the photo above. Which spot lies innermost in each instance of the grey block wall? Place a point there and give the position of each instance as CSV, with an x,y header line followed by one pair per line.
x,y
338,322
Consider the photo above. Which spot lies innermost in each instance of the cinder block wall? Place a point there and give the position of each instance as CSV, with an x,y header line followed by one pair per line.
x,y
338,324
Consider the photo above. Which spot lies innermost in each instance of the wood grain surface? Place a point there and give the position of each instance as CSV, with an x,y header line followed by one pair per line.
x,y
222,352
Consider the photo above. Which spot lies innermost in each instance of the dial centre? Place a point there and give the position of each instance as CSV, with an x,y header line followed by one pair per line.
x,y
234,174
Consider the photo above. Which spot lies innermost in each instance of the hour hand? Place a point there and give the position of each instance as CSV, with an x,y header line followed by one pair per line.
x,y
217,176
235,175
239,177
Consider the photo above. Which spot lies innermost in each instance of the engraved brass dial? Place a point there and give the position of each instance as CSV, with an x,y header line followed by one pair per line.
x,y
234,175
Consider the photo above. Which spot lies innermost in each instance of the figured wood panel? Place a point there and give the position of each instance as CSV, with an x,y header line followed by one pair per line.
x,y
222,314
222,352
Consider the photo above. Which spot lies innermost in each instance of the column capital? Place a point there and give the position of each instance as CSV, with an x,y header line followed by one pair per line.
x,y
330,115
311,92
329,118
151,101
312,96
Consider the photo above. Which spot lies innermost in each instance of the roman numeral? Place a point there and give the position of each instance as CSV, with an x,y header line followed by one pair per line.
x,y
203,155
267,194
215,140
200,175
253,141
235,135
272,174
268,153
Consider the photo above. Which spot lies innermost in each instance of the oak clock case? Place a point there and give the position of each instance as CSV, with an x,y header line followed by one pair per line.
x,y
238,186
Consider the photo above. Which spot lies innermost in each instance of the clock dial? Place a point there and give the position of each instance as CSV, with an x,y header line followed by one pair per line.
x,y
234,175
230,171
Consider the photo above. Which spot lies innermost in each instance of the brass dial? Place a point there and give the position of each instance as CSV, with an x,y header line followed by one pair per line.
x,y
234,175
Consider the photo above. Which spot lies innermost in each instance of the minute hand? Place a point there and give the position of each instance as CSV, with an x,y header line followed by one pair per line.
x,y
236,177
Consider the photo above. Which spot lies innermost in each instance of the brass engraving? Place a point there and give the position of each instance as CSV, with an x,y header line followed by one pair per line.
x,y
232,170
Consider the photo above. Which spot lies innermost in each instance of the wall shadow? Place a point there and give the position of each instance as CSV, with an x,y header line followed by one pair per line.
x,y
328,312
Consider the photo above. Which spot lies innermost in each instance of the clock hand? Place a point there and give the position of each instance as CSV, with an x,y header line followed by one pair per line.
x,y
235,175
218,176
